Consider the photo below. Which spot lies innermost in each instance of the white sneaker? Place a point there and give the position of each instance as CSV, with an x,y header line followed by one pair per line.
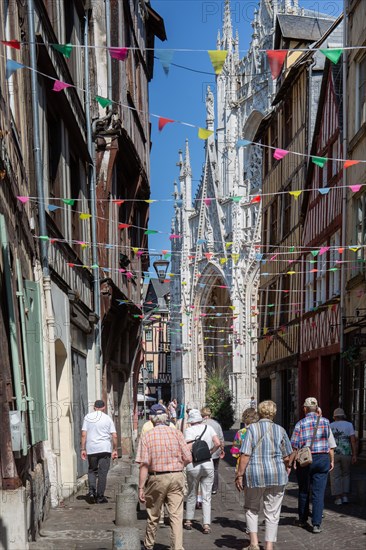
x,y
338,501
345,500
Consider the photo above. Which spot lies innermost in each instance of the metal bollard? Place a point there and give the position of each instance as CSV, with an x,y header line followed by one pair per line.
x,y
126,538
126,502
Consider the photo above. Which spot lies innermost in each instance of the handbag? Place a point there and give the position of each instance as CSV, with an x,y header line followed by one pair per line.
x,y
304,456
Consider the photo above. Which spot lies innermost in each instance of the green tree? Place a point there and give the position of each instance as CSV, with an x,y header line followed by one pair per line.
x,y
219,398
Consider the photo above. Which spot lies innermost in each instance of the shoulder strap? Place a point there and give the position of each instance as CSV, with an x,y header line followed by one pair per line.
x,y
261,439
200,437
314,432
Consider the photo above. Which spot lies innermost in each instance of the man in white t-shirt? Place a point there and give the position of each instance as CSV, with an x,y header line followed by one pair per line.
x,y
345,454
96,434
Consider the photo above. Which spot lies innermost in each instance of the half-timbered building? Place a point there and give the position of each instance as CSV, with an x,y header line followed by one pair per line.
x,y
322,252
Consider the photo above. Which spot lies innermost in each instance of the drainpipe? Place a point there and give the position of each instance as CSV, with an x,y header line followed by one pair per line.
x,y
93,207
38,168
108,42
344,207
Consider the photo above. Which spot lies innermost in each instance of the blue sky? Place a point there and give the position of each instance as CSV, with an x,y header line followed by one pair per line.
x,y
191,25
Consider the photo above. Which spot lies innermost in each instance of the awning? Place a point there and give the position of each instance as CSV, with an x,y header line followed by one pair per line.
x,y
140,398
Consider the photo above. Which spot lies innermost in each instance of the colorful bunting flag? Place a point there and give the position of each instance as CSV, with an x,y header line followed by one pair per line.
x,y
324,190
354,248
276,59
355,188
323,250
174,236
242,143
11,67
203,133
150,201
70,202
22,199
11,43
208,255
207,201
295,194
218,58
223,261
124,225
59,86
150,232
53,207
235,257
279,154
236,199
118,202
118,53
319,161
135,249
85,216
333,54
163,121
349,163
255,199
165,57
314,253
201,241
103,101
65,49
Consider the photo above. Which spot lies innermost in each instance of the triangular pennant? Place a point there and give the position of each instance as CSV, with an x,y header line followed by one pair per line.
x,y
235,257
319,161
22,199
295,194
150,232
228,244
65,49
165,57
208,255
314,252
276,59
103,101
279,154
174,236
118,53
53,207
85,216
11,67
207,201
255,199
223,261
203,133
70,202
333,54
354,248
11,43
323,250
163,121
123,225
324,190
355,188
135,249
149,201
349,163
242,143
218,58
236,199
59,86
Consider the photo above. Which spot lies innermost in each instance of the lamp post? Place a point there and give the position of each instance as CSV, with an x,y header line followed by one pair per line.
x,y
161,267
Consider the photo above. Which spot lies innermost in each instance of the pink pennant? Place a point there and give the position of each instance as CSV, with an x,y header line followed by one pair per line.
x,y
22,199
276,59
273,257
279,154
163,121
140,252
355,188
59,86
173,236
129,275
207,201
208,255
323,250
118,53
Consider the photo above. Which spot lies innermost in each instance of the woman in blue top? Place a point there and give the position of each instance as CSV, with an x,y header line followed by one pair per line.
x,y
265,452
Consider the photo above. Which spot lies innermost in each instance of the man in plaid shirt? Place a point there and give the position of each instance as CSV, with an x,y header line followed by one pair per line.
x,y
314,476
162,454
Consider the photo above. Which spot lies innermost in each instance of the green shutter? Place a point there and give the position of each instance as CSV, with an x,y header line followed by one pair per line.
x,y
34,365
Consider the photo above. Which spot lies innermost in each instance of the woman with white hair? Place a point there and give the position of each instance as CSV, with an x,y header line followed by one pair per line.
x,y
265,452
200,472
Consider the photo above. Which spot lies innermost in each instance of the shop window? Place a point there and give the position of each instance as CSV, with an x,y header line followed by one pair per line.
x,y
361,93
148,335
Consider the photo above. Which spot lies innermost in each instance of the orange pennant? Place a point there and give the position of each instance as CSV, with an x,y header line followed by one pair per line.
x,y
163,121
276,59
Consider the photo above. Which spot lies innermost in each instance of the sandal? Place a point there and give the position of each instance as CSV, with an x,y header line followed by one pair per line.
x,y
206,529
187,525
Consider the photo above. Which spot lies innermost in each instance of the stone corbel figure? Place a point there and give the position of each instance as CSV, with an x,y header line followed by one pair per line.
x,y
209,105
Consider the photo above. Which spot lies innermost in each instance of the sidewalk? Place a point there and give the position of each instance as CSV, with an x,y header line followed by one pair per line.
x,y
81,526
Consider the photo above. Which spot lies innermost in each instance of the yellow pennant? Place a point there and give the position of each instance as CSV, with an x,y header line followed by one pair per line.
x,y
84,216
227,245
150,201
232,307
204,134
218,58
135,249
223,261
265,330
354,248
235,257
291,272
295,194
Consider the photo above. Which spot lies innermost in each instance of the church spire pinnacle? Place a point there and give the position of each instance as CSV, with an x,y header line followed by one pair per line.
x,y
227,37
187,160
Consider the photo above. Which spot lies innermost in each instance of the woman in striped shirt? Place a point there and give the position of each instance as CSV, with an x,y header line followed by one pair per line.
x,y
265,454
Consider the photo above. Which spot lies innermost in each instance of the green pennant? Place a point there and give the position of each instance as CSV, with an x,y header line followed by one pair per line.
x,y
150,232
333,54
333,269
65,49
315,252
70,202
292,249
236,199
319,161
44,238
166,256
103,101
95,266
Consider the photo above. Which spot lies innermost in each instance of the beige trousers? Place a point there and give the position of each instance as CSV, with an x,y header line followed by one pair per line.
x,y
166,488
272,501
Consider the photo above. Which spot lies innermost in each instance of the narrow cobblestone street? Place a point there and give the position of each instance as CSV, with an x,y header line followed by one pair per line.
x,y
81,526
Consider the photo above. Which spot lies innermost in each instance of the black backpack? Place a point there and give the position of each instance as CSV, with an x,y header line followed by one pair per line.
x,y
200,450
